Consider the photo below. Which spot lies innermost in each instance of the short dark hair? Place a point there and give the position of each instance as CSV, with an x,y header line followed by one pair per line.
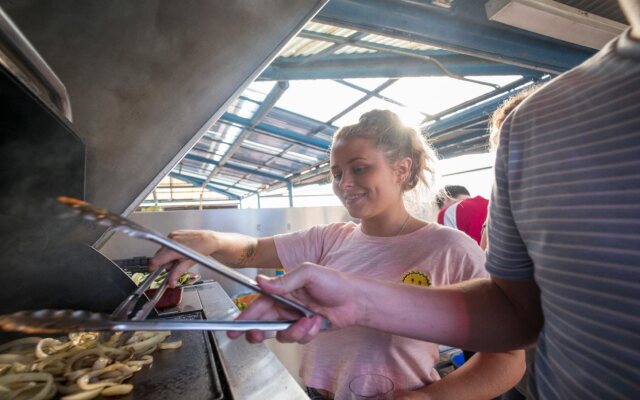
x,y
451,191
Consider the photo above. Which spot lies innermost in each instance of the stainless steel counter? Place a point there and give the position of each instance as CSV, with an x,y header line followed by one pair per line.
x,y
253,371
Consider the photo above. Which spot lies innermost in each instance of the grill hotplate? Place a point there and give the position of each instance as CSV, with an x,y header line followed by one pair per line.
x,y
193,371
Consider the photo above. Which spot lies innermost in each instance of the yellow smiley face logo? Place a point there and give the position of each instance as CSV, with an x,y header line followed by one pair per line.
x,y
416,278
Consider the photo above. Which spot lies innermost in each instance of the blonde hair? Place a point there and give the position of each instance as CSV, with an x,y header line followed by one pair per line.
x,y
503,111
397,141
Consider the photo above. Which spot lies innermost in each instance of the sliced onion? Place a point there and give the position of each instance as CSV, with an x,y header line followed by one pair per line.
x,y
146,344
15,358
170,345
83,381
101,362
84,395
117,390
30,377
68,389
19,343
74,375
48,342
83,359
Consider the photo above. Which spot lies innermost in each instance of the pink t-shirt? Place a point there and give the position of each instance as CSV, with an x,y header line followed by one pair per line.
x,y
432,256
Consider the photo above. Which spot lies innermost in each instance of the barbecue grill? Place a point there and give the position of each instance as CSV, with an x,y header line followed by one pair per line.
x,y
144,81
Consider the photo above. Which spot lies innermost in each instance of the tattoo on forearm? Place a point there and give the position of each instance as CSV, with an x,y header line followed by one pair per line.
x,y
247,255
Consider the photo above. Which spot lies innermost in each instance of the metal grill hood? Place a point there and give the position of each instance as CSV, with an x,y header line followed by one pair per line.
x,y
145,80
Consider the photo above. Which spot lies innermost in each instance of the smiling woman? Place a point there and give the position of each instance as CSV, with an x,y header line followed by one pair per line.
x,y
373,163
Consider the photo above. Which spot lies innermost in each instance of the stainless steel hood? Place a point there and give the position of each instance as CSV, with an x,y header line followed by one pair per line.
x,y
147,78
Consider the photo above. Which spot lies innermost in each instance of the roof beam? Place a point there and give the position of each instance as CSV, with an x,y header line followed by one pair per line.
x,y
474,134
331,49
253,149
472,115
198,182
506,88
376,94
264,108
464,118
269,102
218,184
466,30
276,131
364,98
236,167
384,66
391,50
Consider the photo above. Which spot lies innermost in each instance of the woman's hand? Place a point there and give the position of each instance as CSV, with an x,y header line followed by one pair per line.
x,y
202,241
327,292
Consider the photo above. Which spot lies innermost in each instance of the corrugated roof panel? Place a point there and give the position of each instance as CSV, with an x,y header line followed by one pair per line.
x,y
254,157
198,169
261,147
295,122
201,153
304,47
231,174
354,50
259,168
307,159
403,44
268,140
329,29
225,179
224,132
307,47
243,107
324,135
259,179
211,147
291,166
307,151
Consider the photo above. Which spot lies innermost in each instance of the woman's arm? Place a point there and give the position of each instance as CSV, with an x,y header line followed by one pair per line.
x,y
484,376
232,249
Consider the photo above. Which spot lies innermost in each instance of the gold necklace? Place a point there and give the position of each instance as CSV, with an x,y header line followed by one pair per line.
x,y
403,225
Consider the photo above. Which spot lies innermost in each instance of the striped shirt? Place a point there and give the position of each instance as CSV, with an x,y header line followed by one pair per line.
x,y
565,211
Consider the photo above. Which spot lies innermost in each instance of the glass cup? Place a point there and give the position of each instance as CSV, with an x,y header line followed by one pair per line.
x,y
371,387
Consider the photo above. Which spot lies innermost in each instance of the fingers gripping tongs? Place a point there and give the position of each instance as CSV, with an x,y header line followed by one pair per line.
x,y
50,321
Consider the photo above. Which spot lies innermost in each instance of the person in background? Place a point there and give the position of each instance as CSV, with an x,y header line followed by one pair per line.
x,y
373,164
461,211
451,194
564,234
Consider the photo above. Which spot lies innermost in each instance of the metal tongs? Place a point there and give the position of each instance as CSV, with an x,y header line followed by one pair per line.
x,y
127,307
51,321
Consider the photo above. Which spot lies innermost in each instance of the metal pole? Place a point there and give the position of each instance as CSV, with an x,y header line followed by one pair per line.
x,y
258,196
290,187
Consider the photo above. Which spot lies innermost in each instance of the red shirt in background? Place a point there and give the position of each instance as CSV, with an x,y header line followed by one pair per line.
x,y
467,215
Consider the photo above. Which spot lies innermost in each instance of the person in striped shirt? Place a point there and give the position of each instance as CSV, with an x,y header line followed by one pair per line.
x,y
564,253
